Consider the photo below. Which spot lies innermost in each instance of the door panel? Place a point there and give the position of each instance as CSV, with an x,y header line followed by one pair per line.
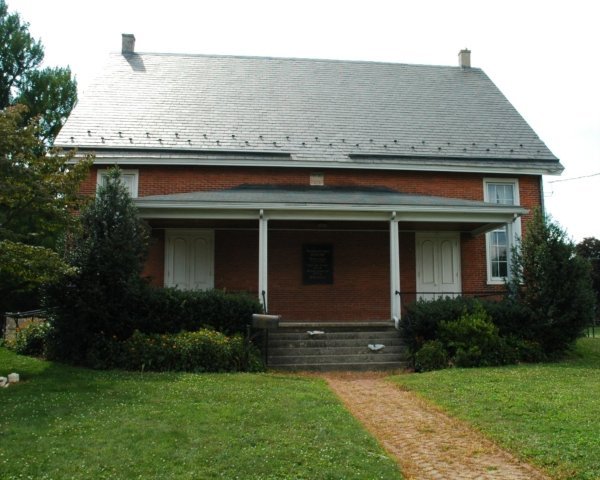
x,y
189,259
438,264
447,262
180,263
428,262
202,276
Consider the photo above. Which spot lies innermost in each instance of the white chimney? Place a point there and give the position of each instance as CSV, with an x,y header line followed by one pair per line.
x,y
127,43
464,58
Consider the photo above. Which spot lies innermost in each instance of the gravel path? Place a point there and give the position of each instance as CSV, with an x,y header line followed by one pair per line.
x,y
426,443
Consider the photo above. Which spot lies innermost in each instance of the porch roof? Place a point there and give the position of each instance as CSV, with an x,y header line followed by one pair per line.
x,y
327,203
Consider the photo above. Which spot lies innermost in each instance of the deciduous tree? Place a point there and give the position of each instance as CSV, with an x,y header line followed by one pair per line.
x,y
49,93
39,191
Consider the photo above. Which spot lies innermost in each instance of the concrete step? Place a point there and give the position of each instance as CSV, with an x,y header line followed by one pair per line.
x,y
368,335
333,350
388,342
273,361
344,367
340,347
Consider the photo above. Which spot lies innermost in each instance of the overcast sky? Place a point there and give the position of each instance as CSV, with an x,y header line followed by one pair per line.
x,y
543,55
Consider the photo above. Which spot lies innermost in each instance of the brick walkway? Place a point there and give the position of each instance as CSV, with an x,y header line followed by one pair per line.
x,y
426,443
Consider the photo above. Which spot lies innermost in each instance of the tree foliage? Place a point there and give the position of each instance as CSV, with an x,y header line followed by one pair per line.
x,y
553,283
39,190
108,254
49,93
589,249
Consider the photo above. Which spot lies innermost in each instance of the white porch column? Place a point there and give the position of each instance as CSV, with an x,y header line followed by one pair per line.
x,y
262,260
511,241
394,268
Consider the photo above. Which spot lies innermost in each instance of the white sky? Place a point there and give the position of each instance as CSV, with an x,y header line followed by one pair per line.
x,y
543,55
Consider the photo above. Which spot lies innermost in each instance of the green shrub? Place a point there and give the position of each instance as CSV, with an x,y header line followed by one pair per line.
x,y
168,310
32,339
431,356
200,351
474,341
422,318
511,318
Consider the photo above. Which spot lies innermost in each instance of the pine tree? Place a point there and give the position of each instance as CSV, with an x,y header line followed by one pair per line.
x,y
108,256
553,283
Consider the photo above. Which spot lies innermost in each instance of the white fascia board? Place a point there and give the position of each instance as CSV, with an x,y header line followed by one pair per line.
x,y
416,164
181,210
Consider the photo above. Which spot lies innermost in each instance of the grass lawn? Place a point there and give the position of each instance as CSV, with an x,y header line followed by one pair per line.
x,y
64,422
547,414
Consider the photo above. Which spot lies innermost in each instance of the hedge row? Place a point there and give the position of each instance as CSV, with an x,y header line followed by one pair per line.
x,y
200,351
169,310
468,332
83,312
204,350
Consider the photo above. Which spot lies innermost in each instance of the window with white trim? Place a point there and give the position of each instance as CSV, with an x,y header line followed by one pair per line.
x,y
500,241
129,178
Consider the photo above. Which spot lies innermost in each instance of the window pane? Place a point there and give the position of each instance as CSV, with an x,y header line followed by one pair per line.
x,y
127,179
498,252
502,193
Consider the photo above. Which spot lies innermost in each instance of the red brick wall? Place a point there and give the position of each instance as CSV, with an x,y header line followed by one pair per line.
x,y
236,260
360,289
361,259
160,180
154,269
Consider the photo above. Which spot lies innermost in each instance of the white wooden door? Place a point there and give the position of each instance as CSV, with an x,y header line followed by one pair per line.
x,y
438,264
189,259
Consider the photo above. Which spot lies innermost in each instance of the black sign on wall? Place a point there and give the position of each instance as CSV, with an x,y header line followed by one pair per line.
x,y
317,264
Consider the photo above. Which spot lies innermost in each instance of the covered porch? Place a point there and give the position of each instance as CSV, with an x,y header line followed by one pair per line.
x,y
316,254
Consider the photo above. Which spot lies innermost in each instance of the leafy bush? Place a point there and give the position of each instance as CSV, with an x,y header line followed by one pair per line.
x,y
422,318
431,356
32,339
553,284
168,310
511,318
528,351
474,341
200,351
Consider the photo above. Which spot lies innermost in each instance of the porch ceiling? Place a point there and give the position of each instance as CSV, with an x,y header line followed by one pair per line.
x,y
330,204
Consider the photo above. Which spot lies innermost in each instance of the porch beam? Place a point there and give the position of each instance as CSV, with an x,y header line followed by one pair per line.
x,y
263,284
394,268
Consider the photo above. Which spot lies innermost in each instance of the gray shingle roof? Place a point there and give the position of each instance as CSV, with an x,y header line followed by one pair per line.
x,y
299,195
313,110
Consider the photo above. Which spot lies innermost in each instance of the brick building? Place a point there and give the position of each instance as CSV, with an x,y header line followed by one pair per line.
x,y
333,190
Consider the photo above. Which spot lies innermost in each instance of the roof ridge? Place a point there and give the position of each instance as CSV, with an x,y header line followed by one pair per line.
x,y
258,57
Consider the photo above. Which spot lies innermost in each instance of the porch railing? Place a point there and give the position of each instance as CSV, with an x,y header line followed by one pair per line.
x,y
408,296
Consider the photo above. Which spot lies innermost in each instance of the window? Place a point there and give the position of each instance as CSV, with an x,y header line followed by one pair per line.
x,y
500,241
128,177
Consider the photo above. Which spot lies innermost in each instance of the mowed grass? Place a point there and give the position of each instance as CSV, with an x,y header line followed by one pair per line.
x,y
65,422
548,414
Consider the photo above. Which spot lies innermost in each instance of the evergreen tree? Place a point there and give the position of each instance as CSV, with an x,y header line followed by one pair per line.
x,y
108,255
553,283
